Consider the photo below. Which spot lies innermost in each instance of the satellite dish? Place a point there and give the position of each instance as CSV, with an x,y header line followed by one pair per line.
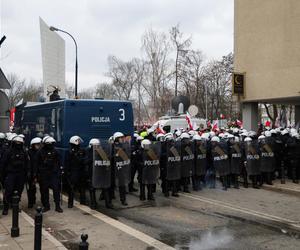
x,y
193,110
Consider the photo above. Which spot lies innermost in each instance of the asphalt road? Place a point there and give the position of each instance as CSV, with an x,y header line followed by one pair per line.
x,y
208,219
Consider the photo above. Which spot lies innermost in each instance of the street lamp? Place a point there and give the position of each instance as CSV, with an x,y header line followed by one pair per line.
x,y
76,63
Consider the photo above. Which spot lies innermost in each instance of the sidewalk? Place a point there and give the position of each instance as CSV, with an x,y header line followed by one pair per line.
x,y
26,239
289,187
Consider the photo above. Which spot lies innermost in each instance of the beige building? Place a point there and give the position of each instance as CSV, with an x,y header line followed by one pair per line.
x,y
267,50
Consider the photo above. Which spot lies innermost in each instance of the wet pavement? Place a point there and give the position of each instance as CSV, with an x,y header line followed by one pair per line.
x,y
193,221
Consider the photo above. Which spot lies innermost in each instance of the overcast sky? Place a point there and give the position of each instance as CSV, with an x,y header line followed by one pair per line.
x,y
107,27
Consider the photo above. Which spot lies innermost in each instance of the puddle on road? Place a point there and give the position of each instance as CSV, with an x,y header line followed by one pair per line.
x,y
214,239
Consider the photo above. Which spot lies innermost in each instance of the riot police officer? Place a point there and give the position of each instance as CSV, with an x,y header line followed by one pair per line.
x,y
293,149
235,154
200,161
252,157
35,145
121,166
187,160
76,170
267,155
14,168
135,145
49,172
149,170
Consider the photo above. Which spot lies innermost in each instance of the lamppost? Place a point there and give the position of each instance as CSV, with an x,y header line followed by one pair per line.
x,y
76,62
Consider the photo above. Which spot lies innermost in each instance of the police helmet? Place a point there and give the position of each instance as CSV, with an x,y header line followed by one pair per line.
x,y
139,138
169,137
230,136
17,138
2,136
236,139
261,137
117,135
215,139
49,140
247,139
145,143
36,140
284,132
268,133
197,137
160,137
178,133
184,136
94,142
75,140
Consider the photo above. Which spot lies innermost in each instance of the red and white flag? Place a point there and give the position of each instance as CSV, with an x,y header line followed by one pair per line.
x,y
239,123
188,119
268,124
215,126
222,116
208,124
159,130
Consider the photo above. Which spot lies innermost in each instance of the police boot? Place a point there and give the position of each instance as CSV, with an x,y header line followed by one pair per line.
x,y
93,203
107,199
224,182
236,181
254,182
122,191
58,208
174,189
269,179
245,177
294,175
166,188
150,193
142,192
71,200
82,197
5,208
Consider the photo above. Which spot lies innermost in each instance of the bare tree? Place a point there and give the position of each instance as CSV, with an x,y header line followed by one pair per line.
x,y
181,49
15,93
156,48
105,91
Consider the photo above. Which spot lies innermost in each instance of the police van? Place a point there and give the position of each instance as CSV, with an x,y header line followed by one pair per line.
x,y
65,118
172,123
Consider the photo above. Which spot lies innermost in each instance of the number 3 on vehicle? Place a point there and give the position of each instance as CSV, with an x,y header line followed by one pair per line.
x,y
122,114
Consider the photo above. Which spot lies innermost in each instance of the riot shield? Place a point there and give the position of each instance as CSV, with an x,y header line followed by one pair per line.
x,y
236,158
220,158
150,172
101,177
173,161
200,162
122,163
252,157
267,155
187,159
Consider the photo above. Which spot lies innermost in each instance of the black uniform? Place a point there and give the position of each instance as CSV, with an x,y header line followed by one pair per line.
x,y
48,172
267,159
236,161
293,155
77,175
134,164
252,157
14,166
219,153
200,163
31,178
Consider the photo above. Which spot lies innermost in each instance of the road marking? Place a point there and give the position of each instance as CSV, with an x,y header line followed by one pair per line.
x,y
244,210
46,234
121,226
